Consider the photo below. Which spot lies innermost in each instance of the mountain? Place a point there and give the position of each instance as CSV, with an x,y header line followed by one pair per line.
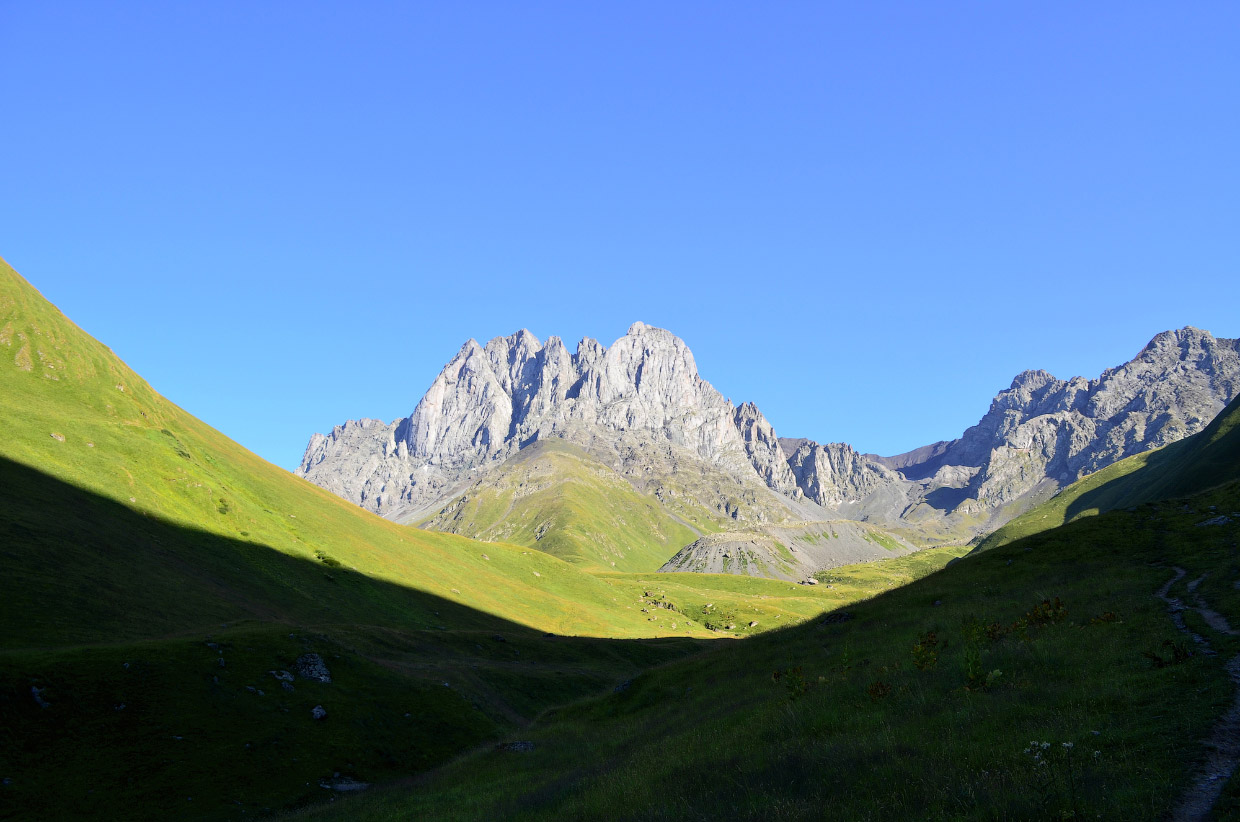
x,y
72,410
640,409
192,633
1194,465
162,585
1039,435
187,623
638,406
1083,672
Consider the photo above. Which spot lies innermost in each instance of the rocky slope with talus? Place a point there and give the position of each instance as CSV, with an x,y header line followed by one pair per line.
x,y
790,552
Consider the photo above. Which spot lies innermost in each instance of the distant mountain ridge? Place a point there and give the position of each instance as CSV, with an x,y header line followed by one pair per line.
x,y
641,408
1040,434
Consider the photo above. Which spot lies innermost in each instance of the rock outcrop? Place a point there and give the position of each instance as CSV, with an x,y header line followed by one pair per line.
x,y
764,451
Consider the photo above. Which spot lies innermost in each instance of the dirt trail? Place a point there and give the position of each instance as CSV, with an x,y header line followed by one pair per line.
x,y
1223,744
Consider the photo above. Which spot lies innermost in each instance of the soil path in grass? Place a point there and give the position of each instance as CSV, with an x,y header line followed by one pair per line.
x,y
1223,744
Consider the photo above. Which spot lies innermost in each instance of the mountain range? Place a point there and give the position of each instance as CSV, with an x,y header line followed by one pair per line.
x,y
640,413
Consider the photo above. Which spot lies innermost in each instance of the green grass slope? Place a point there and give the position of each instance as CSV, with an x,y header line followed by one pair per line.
x,y
918,704
1207,459
555,497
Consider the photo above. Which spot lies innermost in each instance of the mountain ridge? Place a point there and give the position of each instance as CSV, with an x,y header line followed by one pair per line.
x,y
641,407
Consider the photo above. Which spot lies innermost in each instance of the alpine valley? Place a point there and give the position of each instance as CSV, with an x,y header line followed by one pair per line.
x,y
585,585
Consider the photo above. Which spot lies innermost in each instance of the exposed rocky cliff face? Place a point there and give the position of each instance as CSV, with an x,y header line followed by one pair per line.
x,y
640,405
762,446
835,474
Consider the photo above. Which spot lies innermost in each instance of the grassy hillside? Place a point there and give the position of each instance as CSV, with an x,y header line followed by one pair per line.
x,y
728,603
921,703
1192,465
555,497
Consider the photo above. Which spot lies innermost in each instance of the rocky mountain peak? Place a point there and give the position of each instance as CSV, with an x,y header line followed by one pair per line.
x,y
490,401
1031,379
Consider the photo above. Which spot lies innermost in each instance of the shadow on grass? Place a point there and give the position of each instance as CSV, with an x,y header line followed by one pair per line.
x,y
154,644
81,568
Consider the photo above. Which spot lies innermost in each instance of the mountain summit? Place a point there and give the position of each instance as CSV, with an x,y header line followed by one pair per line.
x,y
640,406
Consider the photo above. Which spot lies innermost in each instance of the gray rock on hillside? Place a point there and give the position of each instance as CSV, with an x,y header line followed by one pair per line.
x,y
835,474
788,552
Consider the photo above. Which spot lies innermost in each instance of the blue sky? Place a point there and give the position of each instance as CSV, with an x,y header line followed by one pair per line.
x,y
866,217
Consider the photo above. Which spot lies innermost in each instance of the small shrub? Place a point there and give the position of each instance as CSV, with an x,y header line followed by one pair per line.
x,y
974,674
878,690
1047,612
926,651
1107,616
793,679
1180,653
329,561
